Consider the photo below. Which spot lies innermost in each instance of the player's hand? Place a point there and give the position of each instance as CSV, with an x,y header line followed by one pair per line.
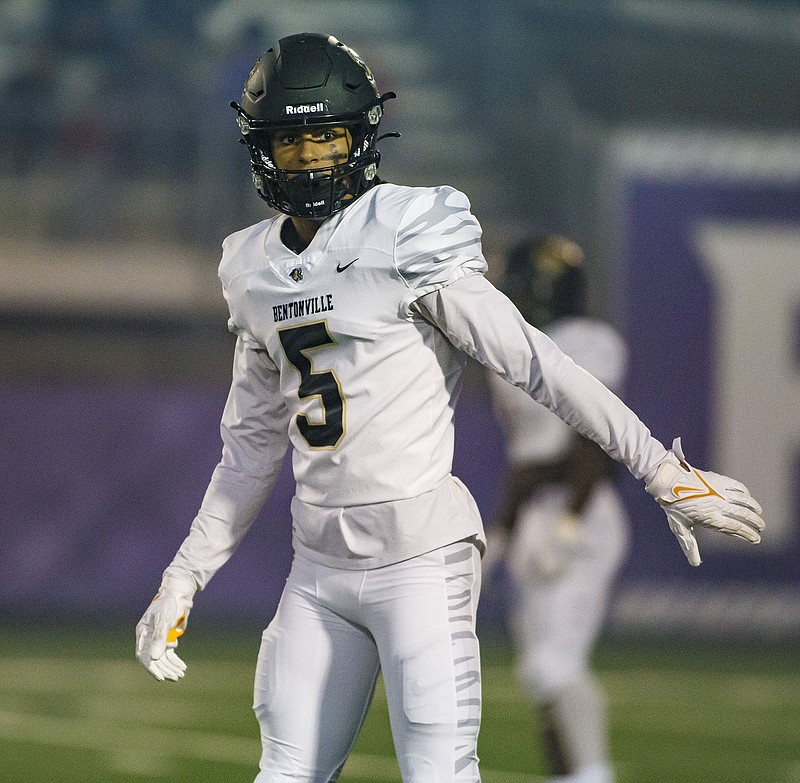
x,y
158,631
692,497
559,548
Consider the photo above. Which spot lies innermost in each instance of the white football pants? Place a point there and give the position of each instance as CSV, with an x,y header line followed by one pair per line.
x,y
556,621
320,657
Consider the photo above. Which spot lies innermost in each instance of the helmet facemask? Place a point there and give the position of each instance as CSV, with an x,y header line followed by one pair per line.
x,y
320,192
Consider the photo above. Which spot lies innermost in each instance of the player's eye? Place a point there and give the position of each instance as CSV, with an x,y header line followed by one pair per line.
x,y
329,134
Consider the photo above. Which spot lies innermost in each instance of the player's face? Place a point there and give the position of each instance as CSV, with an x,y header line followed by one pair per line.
x,y
311,148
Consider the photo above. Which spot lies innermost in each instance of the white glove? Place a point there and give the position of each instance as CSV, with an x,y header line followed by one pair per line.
x,y
558,548
158,631
692,497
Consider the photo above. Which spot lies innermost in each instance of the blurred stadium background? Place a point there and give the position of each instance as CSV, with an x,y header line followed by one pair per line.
x,y
663,136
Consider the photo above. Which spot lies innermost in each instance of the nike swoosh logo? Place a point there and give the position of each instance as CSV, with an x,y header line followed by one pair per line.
x,y
683,492
340,268
689,493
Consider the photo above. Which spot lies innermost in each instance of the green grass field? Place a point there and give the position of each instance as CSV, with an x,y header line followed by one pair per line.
x,y
76,707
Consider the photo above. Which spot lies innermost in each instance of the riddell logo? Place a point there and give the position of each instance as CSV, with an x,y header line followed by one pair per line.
x,y
305,108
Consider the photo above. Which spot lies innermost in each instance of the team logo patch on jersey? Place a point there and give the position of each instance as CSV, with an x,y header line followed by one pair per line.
x,y
296,274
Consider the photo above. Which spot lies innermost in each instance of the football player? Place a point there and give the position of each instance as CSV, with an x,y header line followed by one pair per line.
x,y
354,310
560,521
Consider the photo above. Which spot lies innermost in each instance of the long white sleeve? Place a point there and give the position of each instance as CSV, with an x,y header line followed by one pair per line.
x,y
481,321
254,435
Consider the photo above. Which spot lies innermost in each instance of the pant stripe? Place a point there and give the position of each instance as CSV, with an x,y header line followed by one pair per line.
x,y
467,665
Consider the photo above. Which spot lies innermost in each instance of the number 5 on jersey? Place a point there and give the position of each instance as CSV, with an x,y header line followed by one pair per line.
x,y
296,340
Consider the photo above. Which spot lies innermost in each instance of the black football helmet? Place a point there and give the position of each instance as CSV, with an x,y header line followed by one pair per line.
x,y
544,277
316,80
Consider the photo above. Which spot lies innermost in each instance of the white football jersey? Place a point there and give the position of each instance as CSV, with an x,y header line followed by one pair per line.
x,y
370,390
337,351
535,434
329,351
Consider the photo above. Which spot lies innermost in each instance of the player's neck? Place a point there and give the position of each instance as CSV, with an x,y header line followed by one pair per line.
x,y
297,233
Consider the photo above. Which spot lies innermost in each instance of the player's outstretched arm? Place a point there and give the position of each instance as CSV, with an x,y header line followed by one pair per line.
x,y
483,323
162,623
692,497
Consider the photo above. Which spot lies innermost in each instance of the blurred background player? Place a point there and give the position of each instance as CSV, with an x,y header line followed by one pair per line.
x,y
561,523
